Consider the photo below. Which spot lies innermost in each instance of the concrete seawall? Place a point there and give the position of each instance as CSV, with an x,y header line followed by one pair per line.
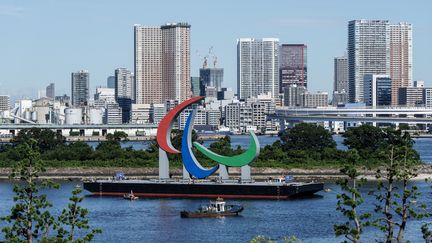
x,y
424,171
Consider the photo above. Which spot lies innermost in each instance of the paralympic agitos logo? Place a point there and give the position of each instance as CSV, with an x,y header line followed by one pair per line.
x,y
189,161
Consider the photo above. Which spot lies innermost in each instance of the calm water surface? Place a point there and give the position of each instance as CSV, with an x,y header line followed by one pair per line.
x,y
158,220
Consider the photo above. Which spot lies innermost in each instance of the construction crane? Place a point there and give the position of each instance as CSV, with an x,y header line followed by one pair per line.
x,y
213,56
203,59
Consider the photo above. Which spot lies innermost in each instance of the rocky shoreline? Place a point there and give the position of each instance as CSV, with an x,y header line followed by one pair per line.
x,y
77,173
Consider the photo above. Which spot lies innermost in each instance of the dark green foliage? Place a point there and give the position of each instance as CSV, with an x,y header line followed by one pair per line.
x,y
306,136
426,232
366,139
117,136
29,219
370,141
349,201
72,219
46,138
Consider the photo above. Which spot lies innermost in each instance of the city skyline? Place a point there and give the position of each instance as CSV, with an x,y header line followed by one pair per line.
x,y
323,29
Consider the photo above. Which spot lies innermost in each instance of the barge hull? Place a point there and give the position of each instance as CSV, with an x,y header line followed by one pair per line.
x,y
207,190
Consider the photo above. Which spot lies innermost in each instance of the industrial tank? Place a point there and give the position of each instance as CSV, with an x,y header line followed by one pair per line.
x,y
95,115
73,116
34,116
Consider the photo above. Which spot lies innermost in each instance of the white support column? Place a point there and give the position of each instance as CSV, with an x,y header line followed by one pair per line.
x,y
186,175
223,172
246,173
163,165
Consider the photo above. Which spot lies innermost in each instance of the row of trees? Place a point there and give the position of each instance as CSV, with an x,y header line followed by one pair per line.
x,y
300,146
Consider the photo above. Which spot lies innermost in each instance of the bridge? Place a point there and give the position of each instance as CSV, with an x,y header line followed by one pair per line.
x,y
412,115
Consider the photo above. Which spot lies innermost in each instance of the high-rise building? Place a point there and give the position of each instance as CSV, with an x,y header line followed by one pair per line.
x,y
293,65
400,58
148,65
176,60
4,102
195,83
80,88
211,77
111,82
257,67
368,53
340,82
162,63
50,91
377,90
124,86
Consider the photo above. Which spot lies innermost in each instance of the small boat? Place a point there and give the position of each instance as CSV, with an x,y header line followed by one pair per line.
x,y
130,196
216,208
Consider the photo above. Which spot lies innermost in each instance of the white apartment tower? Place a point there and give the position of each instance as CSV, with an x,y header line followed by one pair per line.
x,y
162,63
400,58
368,53
257,67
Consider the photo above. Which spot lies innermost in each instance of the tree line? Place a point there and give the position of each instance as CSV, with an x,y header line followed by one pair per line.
x,y
303,146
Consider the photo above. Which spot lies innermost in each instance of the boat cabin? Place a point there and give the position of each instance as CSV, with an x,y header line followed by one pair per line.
x,y
217,206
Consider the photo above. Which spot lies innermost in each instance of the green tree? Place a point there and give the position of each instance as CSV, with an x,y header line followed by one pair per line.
x,y
397,207
29,219
307,136
349,201
117,136
366,139
46,138
74,217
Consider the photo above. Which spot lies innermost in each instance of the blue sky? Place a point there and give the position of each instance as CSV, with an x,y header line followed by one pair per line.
x,y
44,41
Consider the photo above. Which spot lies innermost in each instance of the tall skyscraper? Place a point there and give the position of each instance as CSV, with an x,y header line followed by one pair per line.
x,y
340,82
124,86
111,82
293,65
162,63
50,91
257,67
211,77
80,87
148,65
176,60
400,58
368,53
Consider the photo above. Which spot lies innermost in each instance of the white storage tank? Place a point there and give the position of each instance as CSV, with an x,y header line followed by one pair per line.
x,y
73,116
34,116
27,115
95,116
